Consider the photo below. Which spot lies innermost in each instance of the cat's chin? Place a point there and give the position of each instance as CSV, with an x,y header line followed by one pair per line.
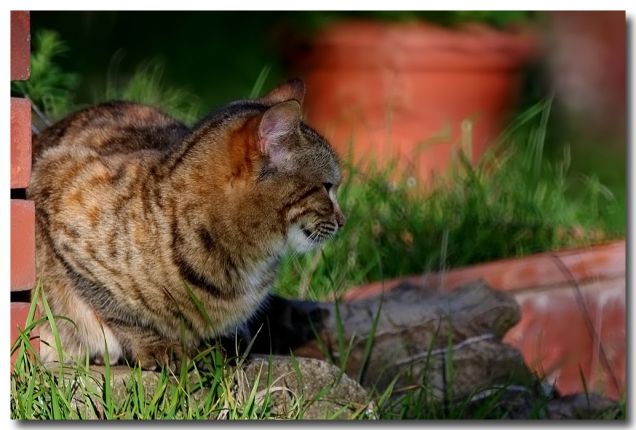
x,y
298,241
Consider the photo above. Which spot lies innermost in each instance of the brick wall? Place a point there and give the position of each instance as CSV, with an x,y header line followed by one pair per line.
x,y
22,211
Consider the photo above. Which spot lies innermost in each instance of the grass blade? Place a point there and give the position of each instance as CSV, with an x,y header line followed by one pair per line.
x,y
260,81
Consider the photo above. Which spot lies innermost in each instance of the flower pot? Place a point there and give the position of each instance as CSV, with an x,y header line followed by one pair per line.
x,y
572,312
408,92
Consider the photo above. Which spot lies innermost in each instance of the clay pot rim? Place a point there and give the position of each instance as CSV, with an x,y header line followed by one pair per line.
x,y
420,45
361,33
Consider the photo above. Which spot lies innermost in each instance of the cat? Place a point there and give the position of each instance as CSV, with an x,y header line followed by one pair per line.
x,y
152,237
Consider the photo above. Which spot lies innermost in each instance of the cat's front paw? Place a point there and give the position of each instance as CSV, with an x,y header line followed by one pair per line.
x,y
160,355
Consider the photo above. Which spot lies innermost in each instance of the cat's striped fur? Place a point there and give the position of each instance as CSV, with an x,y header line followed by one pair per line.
x,y
134,209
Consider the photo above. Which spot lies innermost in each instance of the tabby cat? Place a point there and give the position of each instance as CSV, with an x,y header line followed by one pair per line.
x,y
153,237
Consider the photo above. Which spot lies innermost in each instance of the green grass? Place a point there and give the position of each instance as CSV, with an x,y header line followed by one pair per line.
x,y
206,387
211,386
515,202
146,85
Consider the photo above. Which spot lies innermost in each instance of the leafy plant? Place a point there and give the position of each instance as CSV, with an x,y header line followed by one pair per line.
x,y
49,87
147,85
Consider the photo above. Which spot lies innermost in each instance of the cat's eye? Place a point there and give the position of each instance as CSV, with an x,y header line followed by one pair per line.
x,y
327,186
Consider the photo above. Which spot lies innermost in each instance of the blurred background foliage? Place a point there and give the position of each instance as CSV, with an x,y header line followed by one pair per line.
x,y
215,55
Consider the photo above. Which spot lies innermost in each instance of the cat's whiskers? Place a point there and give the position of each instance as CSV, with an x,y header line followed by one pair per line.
x,y
313,236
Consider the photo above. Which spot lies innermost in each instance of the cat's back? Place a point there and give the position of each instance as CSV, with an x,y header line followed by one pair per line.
x,y
111,128
88,166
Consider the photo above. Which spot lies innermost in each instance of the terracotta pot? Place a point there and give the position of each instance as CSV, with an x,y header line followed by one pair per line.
x,y
572,312
403,91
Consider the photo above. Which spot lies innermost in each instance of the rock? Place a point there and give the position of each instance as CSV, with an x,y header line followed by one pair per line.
x,y
448,341
509,402
90,385
522,402
583,407
323,388
302,388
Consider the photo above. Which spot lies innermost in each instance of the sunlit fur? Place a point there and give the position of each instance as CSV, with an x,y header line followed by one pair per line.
x,y
135,212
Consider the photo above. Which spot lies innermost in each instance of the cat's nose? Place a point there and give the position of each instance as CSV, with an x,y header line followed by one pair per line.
x,y
340,218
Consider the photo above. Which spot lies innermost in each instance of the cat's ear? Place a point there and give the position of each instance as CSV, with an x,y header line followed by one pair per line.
x,y
293,89
277,124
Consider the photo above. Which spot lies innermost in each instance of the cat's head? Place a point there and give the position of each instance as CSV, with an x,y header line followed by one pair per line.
x,y
301,165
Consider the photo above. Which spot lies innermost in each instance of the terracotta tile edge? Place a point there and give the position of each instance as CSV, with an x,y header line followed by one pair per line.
x,y
616,248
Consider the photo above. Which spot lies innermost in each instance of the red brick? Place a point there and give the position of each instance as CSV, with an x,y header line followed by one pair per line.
x,y
20,45
22,245
19,312
20,142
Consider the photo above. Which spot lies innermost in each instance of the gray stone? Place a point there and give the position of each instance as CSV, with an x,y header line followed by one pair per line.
x,y
583,407
323,390
449,341
304,388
